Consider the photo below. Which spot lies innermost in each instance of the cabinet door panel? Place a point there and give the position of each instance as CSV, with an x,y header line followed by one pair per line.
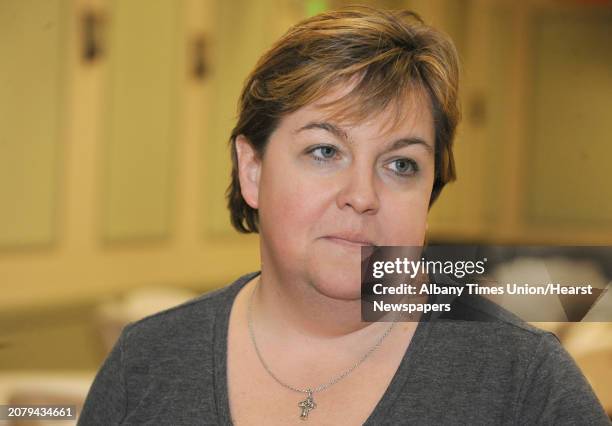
x,y
32,43
140,129
569,150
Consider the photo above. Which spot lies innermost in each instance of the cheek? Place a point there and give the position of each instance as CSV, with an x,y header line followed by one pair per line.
x,y
289,206
404,221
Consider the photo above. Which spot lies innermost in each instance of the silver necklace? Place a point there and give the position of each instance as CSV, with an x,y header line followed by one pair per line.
x,y
308,404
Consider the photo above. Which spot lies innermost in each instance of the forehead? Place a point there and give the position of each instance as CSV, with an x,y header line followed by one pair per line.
x,y
349,109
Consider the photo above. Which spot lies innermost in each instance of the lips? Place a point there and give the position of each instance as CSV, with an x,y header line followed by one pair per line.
x,y
350,239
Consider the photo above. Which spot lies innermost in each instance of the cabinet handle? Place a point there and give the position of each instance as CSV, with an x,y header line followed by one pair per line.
x,y
477,109
199,65
91,27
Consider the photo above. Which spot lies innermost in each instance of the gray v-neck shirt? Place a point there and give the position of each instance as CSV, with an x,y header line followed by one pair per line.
x,y
481,367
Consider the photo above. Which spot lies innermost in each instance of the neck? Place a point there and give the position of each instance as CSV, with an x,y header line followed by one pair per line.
x,y
299,310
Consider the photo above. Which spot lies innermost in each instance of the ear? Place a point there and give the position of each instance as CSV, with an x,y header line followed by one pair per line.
x,y
249,170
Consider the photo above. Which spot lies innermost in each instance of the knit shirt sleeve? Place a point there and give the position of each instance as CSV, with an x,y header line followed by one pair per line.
x,y
106,402
555,391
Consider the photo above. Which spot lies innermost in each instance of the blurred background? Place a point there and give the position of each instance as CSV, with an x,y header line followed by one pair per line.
x,y
114,120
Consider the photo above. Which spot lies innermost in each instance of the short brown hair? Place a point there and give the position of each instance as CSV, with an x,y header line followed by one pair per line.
x,y
391,53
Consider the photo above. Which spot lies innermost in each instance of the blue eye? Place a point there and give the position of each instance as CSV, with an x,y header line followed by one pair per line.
x,y
323,152
404,167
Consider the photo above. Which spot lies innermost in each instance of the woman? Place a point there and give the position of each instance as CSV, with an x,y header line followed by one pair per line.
x,y
344,139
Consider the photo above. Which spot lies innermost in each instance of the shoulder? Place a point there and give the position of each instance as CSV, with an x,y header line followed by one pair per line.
x,y
192,320
555,390
477,329
162,366
499,352
481,333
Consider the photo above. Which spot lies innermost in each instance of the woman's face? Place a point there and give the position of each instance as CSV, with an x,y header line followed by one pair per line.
x,y
323,189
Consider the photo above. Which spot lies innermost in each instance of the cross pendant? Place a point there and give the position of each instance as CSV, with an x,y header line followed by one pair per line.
x,y
307,405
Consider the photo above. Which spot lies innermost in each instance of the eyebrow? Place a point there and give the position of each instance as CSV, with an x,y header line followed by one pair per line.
x,y
338,132
323,125
400,143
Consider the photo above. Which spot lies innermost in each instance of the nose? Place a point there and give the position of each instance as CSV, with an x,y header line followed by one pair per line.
x,y
359,191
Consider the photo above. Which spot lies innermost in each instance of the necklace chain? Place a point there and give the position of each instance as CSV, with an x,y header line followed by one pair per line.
x,y
309,391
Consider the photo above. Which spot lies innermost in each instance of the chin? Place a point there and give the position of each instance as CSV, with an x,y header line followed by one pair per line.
x,y
338,280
